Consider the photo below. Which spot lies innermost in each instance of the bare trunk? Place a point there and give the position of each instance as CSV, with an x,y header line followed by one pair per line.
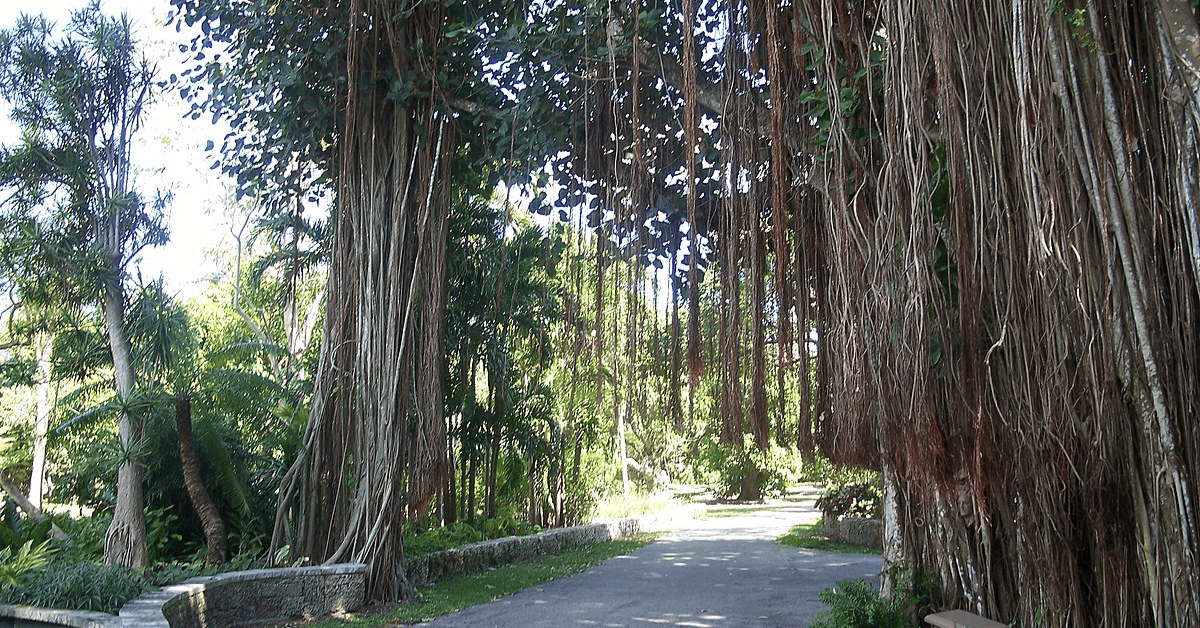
x,y
125,540
893,549
37,475
493,464
210,517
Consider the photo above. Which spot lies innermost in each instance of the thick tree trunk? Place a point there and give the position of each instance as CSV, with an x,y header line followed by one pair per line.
x,y
349,493
125,540
210,517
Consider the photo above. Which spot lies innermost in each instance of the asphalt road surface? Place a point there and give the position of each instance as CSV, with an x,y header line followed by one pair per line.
x,y
720,572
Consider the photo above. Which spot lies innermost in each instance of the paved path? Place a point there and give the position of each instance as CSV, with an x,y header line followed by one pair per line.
x,y
723,572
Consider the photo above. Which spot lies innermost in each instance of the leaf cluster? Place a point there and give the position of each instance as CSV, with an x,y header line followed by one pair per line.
x,y
852,500
72,221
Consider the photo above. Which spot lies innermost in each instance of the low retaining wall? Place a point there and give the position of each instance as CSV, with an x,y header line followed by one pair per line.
x,y
250,597
12,616
855,531
430,568
238,598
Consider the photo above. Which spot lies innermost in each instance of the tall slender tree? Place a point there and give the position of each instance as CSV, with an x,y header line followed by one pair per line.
x,y
75,219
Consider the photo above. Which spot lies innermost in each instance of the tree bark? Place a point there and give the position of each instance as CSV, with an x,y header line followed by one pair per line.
x,y
210,517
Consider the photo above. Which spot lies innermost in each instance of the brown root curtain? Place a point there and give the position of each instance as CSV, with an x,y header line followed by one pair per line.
x,y
375,443
986,214
1007,217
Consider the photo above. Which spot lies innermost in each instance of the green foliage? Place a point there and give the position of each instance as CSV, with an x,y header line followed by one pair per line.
x,y
435,539
857,604
18,531
830,475
772,468
77,97
1076,21
14,565
161,533
84,585
851,500
70,575
85,537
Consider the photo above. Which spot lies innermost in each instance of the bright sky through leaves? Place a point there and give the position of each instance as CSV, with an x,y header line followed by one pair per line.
x,y
169,150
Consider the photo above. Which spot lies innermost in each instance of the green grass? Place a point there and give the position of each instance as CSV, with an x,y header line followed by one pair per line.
x,y
465,591
720,513
636,503
812,536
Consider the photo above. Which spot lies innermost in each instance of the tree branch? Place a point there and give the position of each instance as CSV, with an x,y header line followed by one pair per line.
x,y
10,487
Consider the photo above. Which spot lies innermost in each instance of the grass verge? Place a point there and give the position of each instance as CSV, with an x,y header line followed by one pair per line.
x,y
465,591
812,536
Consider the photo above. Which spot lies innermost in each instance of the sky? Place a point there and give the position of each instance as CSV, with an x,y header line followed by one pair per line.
x,y
168,153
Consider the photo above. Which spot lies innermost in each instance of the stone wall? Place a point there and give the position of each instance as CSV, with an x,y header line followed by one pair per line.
x,y
855,531
12,616
238,598
429,568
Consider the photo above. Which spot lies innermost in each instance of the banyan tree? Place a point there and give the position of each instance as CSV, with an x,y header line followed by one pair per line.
x,y
374,445
982,218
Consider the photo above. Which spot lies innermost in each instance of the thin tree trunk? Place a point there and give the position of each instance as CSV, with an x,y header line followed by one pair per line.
x,y
494,454
471,487
37,475
621,454
210,517
125,540
450,498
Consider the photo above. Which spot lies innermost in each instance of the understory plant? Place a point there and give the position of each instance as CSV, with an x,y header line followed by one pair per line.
x,y
771,469
853,500
856,603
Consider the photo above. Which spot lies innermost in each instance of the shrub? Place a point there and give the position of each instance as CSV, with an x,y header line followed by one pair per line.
x,y
85,536
15,564
821,471
419,541
734,467
856,603
853,500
